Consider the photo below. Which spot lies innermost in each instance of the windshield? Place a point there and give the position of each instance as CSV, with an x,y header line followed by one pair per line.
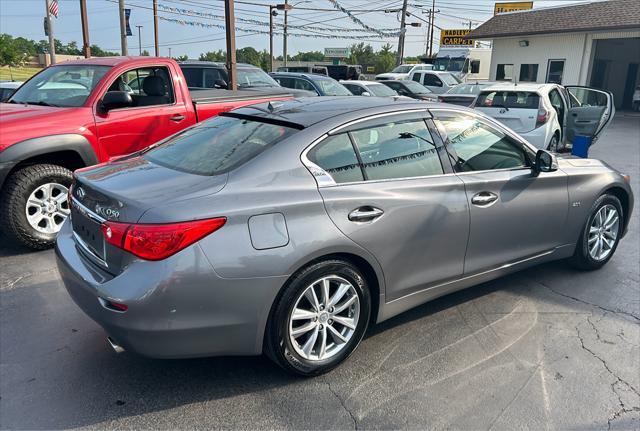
x,y
331,87
64,86
380,90
218,145
448,79
449,64
402,69
255,78
416,88
466,89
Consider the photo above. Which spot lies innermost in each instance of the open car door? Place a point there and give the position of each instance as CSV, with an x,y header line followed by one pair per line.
x,y
590,111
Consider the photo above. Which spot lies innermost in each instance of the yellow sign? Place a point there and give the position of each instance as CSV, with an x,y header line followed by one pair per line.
x,y
512,6
455,37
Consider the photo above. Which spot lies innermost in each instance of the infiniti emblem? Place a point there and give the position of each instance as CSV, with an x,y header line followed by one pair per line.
x,y
80,192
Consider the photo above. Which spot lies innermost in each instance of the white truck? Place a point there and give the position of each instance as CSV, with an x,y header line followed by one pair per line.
x,y
467,63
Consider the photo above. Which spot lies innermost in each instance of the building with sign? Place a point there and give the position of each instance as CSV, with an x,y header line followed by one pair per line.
x,y
595,44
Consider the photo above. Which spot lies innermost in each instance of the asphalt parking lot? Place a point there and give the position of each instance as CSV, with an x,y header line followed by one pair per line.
x,y
547,348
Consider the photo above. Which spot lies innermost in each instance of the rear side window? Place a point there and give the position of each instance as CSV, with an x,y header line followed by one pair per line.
x,y
397,150
338,158
508,99
217,145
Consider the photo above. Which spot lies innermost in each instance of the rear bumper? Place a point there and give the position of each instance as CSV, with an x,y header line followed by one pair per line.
x,y
178,307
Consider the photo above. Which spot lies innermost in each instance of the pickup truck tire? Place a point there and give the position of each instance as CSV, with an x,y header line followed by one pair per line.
x,y
43,182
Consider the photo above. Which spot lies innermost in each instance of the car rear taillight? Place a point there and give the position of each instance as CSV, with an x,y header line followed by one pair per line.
x,y
158,241
543,117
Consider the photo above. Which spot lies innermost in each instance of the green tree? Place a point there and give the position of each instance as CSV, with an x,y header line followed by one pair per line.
x,y
218,55
385,59
145,53
9,54
362,53
183,57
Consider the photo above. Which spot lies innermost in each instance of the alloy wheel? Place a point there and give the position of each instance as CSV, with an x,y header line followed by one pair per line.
x,y
324,318
603,232
47,208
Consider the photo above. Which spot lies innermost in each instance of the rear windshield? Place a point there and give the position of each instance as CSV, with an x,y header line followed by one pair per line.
x,y
508,99
218,145
381,90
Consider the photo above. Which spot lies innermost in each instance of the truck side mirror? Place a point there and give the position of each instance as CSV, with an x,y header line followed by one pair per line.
x,y
115,100
545,162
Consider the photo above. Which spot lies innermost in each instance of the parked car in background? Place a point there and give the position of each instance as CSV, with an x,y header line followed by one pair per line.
x,y
345,71
289,229
319,85
411,89
209,74
369,88
79,113
548,115
7,88
403,71
437,82
318,70
464,94
636,99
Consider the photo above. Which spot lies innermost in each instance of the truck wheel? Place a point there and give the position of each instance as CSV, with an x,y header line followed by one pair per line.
x,y
34,204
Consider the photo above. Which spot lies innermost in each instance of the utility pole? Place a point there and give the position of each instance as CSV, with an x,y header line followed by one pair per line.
x,y
86,48
426,36
169,52
433,24
272,13
123,29
52,44
230,25
284,34
139,40
155,27
403,30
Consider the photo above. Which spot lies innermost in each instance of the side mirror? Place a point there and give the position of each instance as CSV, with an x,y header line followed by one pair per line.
x,y
220,83
545,162
115,100
365,93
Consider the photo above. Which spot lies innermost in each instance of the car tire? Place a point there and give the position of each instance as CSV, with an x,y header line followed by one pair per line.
x,y
290,350
554,143
595,234
21,193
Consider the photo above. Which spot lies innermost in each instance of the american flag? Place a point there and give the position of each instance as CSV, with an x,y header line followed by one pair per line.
x,y
53,8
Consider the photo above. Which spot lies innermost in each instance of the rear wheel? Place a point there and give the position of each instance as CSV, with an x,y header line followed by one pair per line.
x,y
34,205
600,235
554,143
319,319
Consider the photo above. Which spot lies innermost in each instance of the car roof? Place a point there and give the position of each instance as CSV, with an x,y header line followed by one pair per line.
x,y
212,64
300,75
361,82
307,111
529,86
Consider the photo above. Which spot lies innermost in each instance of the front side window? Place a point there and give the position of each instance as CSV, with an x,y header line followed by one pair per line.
x,y
217,145
301,84
354,89
148,86
417,77
479,146
380,90
331,87
528,72
61,86
431,80
504,72
254,77
400,149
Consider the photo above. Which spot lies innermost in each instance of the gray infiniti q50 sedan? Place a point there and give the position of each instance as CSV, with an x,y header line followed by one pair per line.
x,y
290,228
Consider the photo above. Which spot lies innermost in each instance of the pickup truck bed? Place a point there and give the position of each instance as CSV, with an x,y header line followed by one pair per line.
x,y
210,102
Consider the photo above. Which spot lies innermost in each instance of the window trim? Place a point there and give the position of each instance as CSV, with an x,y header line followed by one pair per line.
x,y
152,66
324,179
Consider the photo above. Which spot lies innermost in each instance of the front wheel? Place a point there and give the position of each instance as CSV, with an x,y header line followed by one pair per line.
x,y
319,319
600,235
34,204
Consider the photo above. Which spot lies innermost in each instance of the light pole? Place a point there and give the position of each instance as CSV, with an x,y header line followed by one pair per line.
x,y
272,13
287,7
139,40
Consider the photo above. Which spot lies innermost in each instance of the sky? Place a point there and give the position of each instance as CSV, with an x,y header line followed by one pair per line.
x,y
25,18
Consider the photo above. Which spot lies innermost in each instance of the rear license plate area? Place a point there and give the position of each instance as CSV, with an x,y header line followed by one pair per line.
x,y
89,232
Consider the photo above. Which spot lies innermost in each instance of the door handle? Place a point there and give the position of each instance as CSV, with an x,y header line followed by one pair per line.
x,y
177,118
484,199
366,213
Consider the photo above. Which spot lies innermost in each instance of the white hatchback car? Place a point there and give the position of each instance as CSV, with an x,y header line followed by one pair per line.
x,y
549,116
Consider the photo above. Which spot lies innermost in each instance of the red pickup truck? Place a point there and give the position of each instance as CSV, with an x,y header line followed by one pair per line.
x,y
80,113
